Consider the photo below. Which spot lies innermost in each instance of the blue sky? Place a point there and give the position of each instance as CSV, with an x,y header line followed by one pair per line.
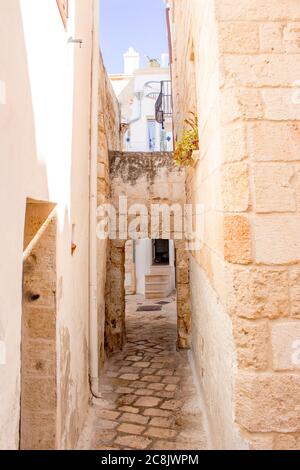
x,y
137,23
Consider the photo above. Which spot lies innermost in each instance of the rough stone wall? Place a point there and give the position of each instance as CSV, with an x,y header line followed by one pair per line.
x,y
109,139
130,278
144,178
38,426
244,281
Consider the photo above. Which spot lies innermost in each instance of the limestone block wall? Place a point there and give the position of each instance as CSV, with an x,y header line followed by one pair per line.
x,y
130,275
244,281
260,67
109,138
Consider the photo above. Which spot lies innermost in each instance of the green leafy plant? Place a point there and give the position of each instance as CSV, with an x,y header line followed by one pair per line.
x,y
188,143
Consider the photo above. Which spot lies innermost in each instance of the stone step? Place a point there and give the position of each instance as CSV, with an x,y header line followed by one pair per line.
x,y
155,295
157,283
157,278
160,270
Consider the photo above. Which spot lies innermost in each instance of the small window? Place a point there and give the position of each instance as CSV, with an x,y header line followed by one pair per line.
x,y
63,6
151,135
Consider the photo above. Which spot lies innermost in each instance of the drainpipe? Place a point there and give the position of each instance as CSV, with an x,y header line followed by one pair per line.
x,y
171,64
93,313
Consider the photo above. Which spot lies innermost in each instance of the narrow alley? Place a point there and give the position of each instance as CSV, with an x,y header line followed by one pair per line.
x,y
150,207
149,397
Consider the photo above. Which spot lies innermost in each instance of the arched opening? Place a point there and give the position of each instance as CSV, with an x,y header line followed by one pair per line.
x,y
155,273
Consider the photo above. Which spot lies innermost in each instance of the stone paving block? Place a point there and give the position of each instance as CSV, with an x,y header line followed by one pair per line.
x,y
126,400
165,372
160,433
156,386
144,392
172,405
134,442
157,412
124,390
151,378
161,422
171,380
129,409
148,402
129,377
128,428
171,388
134,418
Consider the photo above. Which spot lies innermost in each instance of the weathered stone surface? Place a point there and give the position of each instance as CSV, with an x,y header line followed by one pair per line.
x,y
162,433
147,402
131,429
273,189
259,292
134,418
39,395
263,70
286,441
268,402
280,105
286,345
237,239
257,10
134,442
129,409
280,37
234,142
239,37
276,239
39,358
260,441
171,405
274,141
252,340
40,433
294,281
250,102
161,422
40,322
235,187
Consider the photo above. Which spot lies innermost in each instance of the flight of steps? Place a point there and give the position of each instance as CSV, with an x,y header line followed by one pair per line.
x,y
158,282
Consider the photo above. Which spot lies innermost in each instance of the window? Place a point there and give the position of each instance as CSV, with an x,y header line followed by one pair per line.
x,y
151,135
64,10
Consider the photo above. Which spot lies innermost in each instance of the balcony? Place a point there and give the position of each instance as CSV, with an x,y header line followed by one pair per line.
x,y
163,105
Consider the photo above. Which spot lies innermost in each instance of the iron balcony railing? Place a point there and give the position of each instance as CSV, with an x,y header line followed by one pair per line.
x,y
163,105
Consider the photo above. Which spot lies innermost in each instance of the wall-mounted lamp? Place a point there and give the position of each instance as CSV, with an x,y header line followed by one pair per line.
x,y
71,40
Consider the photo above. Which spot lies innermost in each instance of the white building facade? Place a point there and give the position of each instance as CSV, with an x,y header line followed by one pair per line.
x,y
137,90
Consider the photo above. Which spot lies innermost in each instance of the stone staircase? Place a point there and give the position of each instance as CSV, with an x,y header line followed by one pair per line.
x,y
158,282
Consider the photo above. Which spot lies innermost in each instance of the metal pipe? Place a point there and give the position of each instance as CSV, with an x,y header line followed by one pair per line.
x,y
93,307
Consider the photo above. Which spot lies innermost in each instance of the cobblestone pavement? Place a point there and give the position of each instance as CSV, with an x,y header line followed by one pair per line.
x,y
149,399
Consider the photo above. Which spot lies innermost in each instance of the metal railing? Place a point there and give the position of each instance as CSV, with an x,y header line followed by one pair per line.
x,y
163,105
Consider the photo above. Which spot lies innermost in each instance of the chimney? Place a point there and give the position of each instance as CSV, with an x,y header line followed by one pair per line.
x,y
131,61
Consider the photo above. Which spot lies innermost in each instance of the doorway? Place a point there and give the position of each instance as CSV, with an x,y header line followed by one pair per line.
x,y
122,277
161,252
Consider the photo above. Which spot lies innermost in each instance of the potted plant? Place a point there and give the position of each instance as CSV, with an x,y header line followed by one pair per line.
x,y
183,154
